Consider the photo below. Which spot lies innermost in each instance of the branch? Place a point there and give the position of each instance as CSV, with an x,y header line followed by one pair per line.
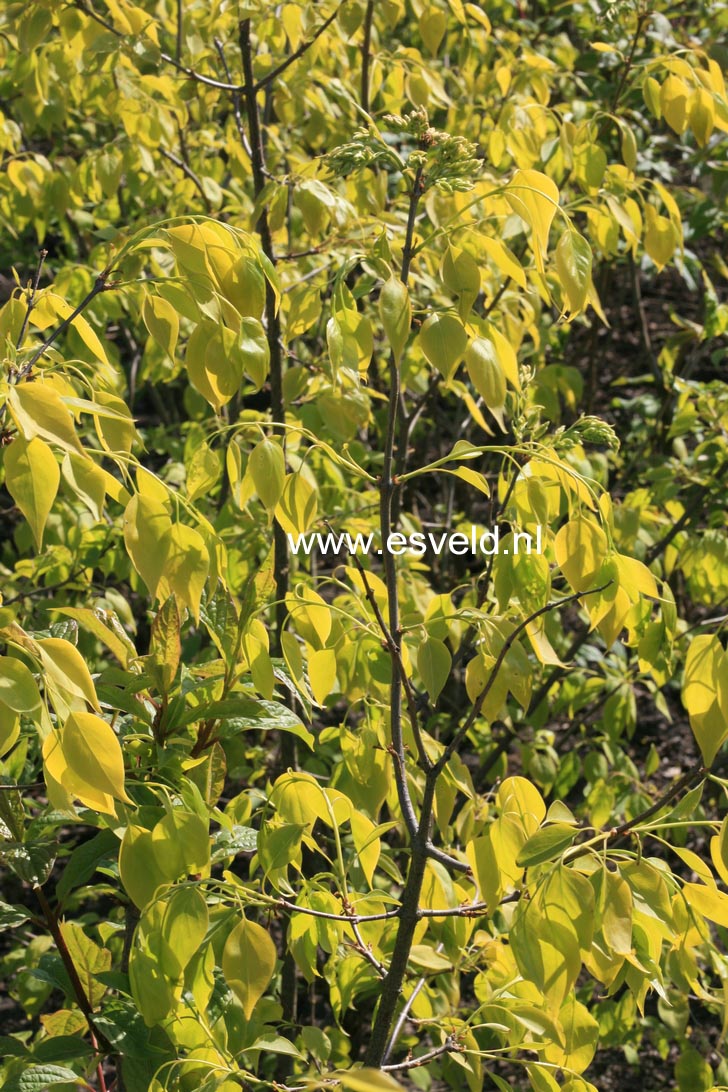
x,y
189,72
187,170
79,992
388,490
694,506
641,20
365,950
507,645
30,299
273,325
450,1046
404,1014
180,16
237,111
297,53
692,776
366,55
396,654
101,284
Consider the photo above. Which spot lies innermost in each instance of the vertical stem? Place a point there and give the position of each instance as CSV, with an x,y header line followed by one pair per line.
x,y
641,20
288,755
408,919
82,999
366,55
273,325
410,913
178,44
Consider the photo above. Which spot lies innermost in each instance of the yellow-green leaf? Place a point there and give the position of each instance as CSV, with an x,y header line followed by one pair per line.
x,y
487,376
297,508
322,673
574,266
367,1080
535,197
162,322
396,314
708,902
185,568
146,525
674,95
87,481
66,667
443,341
701,117
248,962
433,663
38,410
267,467
85,758
18,689
32,478
580,547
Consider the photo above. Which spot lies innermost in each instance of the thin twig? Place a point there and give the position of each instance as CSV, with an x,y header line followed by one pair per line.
x,y
641,20
366,55
235,95
401,1019
82,999
101,284
450,1046
187,170
30,299
180,18
695,505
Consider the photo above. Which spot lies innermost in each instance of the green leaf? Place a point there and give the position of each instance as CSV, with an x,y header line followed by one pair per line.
x,y
275,1044
11,916
85,859
89,959
228,843
165,645
241,714
37,1078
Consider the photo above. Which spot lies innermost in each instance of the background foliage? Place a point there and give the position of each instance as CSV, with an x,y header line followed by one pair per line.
x,y
274,817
